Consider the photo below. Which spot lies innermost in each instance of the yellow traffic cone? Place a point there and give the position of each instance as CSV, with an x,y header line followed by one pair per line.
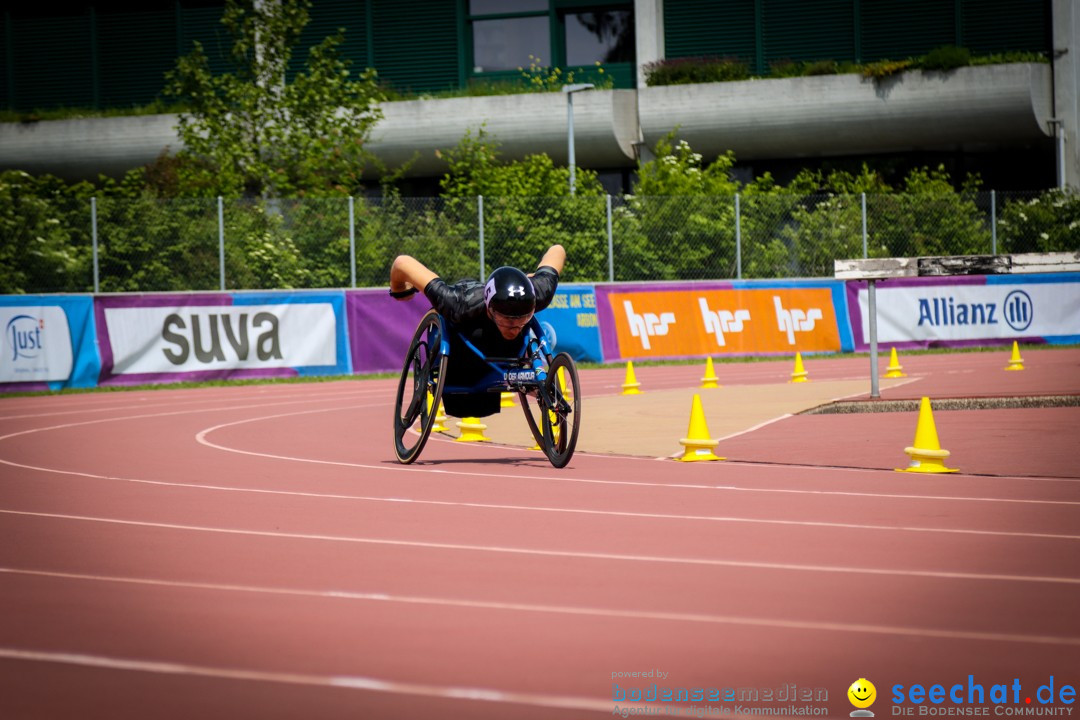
x,y
1015,362
507,400
799,374
710,380
697,443
895,369
926,454
472,430
440,415
631,386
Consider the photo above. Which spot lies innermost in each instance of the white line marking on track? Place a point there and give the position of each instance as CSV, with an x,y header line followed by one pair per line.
x,y
447,692
710,562
570,609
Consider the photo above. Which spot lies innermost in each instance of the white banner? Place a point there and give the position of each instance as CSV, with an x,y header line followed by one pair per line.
x,y
973,312
220,337
37,344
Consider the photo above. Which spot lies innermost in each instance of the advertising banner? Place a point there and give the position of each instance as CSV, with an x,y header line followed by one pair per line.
x,y
48,342
674,320
380,327
972,310
165,338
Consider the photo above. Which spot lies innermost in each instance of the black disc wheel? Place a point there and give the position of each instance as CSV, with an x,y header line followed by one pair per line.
x,y
420,388
556,413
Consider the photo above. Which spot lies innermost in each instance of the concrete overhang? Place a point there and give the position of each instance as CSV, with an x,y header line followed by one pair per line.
x,y
850,115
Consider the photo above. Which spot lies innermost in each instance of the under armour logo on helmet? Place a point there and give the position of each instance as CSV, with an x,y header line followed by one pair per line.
x,y
516,290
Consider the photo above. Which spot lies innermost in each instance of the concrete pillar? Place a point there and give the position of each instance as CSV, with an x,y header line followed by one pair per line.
x,y
1066,67
649,34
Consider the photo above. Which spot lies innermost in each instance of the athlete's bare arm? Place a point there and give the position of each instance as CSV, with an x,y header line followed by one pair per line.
x,y
407,272
554,257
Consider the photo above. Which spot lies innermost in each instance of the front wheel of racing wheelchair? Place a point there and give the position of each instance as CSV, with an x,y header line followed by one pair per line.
x,y
555,415
420,388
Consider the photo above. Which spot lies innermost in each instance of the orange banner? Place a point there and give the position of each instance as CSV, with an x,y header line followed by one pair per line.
x,y
717,322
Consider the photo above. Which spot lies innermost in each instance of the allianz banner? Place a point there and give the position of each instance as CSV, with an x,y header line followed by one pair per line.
x,y
673,320
168,338
48,343
971,310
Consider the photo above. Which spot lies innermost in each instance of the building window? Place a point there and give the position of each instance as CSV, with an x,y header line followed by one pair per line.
x,y
507,43
511,34
604,36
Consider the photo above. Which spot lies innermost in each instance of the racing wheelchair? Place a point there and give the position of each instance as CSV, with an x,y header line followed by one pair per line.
x,y
547,387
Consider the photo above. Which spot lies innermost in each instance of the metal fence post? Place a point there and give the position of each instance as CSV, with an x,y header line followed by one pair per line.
x,y
610,245
738,239
221,241
480,221
94,241
864,252
352,244
993,222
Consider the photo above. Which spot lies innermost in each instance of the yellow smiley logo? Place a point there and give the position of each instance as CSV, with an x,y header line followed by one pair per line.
x,y
862,693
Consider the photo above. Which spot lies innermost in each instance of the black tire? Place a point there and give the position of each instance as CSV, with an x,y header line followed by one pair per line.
x,y
560,422
424,373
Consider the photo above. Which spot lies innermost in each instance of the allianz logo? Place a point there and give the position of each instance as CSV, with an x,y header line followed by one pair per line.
x,y
1018,311
647,325
25,337
191,337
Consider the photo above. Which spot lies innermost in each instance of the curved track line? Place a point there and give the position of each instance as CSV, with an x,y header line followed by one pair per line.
x,y
201,438
572,610
353,682
710,562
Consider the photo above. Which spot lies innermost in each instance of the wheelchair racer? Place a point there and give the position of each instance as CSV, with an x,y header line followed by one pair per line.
x,y
492,315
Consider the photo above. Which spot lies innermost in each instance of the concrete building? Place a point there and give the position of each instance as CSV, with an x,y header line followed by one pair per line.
x,y
1015,123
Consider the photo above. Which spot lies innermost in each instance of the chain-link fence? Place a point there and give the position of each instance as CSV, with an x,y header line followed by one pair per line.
x,y
114,245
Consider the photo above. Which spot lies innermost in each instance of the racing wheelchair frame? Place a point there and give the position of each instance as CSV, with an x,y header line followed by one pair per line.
x,y
547,387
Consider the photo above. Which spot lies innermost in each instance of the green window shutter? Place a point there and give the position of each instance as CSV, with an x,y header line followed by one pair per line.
x,y
203,24
800,30
897,30
416,44
325,18
994,26
135,49
53,65
724,28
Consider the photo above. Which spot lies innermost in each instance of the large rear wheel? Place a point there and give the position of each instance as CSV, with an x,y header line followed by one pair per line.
x,y
420,388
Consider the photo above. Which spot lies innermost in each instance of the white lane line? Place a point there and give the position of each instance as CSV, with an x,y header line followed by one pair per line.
x,y
708,562
663,616
187,401
201,437
353,682
588,511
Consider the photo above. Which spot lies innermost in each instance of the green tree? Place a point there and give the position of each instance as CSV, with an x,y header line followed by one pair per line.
x,y
256,132
528,207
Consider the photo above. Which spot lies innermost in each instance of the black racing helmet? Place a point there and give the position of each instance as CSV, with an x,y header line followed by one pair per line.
x,y
510,292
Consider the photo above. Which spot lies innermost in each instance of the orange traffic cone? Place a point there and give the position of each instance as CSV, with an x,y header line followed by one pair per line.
x,y
710,380
895,369
631,386
926,453
1015,362
799,374
697,443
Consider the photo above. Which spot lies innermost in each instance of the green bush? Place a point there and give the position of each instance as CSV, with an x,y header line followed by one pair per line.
x,y
680,71
946,57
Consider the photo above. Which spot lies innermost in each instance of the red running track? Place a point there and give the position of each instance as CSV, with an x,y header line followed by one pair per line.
x,y
256,552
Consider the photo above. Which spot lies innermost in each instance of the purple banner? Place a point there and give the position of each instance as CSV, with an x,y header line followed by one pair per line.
x,y
380,328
